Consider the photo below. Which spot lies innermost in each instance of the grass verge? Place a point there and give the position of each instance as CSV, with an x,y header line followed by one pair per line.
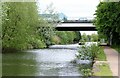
x,y
101,56
103,70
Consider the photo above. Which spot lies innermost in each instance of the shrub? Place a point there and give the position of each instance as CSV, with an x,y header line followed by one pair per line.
x,y
55,39
85,70
88,52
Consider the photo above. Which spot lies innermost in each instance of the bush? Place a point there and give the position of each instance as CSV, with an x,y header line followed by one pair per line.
x,y
36,43
88,52
55,40
85,70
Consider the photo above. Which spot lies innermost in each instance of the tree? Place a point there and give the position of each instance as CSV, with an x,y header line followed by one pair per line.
x,y
52,14
47,30
107,20
94,37
19,24
1,24
68,37
84,37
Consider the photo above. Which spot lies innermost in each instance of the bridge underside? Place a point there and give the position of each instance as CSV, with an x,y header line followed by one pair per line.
x,y
76,28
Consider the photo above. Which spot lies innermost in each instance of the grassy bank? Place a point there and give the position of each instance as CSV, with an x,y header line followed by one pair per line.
x,y
101,55
103,70
93,53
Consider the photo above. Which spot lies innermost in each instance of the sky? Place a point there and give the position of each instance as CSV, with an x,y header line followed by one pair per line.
x,y
72,8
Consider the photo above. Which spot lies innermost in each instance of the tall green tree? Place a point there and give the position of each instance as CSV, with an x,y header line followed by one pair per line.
x,y
19,24
107,20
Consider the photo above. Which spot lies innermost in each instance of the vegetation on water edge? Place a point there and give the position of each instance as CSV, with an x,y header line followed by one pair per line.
x,y
85,70
23,28
101,55
89,38
67,37
91,52
20,28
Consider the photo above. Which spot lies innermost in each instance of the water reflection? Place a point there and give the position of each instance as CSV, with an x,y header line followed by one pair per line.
x,y
40,62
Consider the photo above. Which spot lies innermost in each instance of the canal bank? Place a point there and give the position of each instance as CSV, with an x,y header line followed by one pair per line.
x,y
110,67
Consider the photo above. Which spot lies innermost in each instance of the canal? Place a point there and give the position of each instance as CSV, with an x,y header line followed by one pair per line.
x,y
55,61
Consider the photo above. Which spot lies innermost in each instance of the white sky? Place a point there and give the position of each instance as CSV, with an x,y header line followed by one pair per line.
x,y
72,8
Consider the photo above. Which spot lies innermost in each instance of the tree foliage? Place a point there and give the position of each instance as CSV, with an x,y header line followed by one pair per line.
x,y
0,24
19,25
53,36
89,38
23,28
67,37
107,20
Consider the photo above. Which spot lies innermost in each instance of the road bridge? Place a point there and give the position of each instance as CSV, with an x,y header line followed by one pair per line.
x,y
76,26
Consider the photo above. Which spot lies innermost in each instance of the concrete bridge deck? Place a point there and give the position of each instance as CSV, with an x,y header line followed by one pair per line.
x,y
76,27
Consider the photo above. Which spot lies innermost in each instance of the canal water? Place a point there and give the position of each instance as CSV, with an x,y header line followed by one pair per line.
x,y
55,61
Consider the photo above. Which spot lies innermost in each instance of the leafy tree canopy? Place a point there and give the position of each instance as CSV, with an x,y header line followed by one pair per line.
x,y
107,20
